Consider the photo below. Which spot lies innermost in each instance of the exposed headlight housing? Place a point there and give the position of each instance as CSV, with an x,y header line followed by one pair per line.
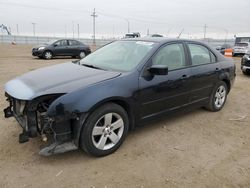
x,y
41,48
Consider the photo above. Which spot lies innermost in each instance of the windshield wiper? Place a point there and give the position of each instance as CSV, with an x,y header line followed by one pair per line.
x,y
91,66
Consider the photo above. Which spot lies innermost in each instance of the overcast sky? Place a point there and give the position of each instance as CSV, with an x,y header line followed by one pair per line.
x,y
167,17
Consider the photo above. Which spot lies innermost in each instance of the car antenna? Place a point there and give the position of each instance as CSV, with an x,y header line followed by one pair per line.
x,y
180,33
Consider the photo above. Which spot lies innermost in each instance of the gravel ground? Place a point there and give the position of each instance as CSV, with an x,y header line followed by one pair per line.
x,y
196,149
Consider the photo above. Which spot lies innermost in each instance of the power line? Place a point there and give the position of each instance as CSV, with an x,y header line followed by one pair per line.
x,y
45,8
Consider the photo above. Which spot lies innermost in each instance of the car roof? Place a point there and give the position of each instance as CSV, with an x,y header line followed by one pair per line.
x,y
161,40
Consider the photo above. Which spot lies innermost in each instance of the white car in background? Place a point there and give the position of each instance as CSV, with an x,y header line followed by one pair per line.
x,y
241,48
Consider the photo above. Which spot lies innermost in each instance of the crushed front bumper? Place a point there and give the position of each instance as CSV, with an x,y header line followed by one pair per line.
x,y
60,133
36,52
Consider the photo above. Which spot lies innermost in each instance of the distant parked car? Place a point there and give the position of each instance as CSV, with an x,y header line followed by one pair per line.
x,y
63,47
154,35
241,48
222,48
132,35
245,63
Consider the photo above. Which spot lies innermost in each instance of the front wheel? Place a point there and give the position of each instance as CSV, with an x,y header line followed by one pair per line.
x,y
47,55
104,130
218,97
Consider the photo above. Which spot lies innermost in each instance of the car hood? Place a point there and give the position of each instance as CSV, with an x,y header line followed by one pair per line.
x,y
42,45
62,78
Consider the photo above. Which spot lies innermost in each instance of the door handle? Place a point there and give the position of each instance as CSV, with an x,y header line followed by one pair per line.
x,y
217,69
184,77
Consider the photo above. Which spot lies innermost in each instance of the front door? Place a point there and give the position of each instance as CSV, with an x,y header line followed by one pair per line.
x,y
61,48
163,93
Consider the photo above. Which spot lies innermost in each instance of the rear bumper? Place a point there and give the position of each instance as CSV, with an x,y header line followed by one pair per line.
x,y
245,68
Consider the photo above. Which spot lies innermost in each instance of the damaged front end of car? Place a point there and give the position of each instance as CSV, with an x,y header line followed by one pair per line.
x,y
59,132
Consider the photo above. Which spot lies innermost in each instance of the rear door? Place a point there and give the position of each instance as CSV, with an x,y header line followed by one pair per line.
x,y
74,47
204,72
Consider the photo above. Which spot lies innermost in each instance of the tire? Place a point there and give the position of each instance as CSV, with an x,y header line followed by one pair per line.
x,y
47,55
246,72
218,97
104,130
82,54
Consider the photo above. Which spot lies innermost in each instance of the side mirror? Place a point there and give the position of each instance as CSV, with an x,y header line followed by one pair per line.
x,y
158,69
55,45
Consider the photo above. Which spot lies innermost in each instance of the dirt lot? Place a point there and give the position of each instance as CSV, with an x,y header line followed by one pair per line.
x,y
197,149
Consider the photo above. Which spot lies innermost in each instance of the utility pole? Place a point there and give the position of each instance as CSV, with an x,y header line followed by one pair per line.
x,y
94,15
65,27
205,31
73,29
128,24
34,28
17,30
78,30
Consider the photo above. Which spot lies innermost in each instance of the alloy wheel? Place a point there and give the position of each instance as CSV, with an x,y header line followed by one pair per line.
x,y
107,131
220,96
48,55
82,55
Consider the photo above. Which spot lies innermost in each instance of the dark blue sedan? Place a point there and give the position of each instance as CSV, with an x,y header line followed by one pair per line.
x,y
92,103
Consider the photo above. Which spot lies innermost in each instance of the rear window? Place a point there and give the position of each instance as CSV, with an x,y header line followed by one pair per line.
x,y
241,44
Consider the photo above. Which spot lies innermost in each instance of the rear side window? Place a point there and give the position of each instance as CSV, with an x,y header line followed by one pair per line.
x,y
201,55
73,43
172,55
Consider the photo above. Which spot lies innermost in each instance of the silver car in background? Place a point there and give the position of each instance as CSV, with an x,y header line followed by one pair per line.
x,y
241,48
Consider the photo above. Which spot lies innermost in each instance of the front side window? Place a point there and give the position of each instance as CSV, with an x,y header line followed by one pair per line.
x,y
119,55
199,54
61,43
172,55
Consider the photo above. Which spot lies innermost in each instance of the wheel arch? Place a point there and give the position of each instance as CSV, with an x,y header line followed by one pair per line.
x,y
225,77
121,102
227,81
48,50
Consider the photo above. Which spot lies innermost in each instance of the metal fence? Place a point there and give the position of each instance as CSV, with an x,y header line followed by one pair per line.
x,y
99,42
41,40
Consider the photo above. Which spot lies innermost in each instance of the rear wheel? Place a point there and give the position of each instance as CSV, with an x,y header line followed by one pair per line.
x,y
82,54
246,72
218,97
104,130
47,55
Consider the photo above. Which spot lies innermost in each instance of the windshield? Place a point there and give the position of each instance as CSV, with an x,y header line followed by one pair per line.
x,y
51,42
119,55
